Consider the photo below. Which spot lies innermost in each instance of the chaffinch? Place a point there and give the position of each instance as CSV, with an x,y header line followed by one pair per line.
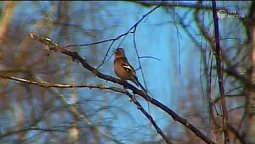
x,y
123,69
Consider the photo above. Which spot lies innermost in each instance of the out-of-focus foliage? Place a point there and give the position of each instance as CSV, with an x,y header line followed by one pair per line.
x,y
183,79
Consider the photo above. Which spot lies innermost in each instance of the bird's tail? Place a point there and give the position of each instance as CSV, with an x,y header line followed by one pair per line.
x,y
136,81
141,86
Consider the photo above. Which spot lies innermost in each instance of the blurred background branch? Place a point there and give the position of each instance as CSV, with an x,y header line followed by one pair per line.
x,y
178,33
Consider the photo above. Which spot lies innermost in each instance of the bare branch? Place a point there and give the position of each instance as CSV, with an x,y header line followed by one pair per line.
x,y
45,84
76,57
48,85
219,65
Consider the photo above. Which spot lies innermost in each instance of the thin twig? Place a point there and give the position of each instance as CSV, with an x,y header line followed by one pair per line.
x,y
89,44
149,57
131,30
9,133
149,117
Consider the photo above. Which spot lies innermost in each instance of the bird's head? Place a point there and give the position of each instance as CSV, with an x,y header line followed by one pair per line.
x,y
119,53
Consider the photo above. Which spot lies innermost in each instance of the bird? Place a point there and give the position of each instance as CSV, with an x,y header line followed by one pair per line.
x,y
123,69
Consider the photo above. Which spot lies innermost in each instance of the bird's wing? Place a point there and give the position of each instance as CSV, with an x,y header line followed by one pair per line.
x,y
128,68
